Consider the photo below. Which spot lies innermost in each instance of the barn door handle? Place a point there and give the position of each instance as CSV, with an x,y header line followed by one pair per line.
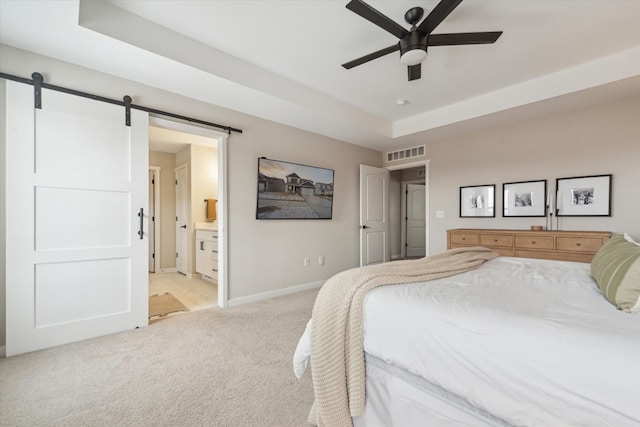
x,y
141,216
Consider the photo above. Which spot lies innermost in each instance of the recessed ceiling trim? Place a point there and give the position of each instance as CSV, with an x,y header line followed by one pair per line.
x,y
596,73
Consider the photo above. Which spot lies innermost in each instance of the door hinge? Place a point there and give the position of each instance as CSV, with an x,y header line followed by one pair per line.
x,y
153,256
153,218
176,219
176,182
153,181
176,254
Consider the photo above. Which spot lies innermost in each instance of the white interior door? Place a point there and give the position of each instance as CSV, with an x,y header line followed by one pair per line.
x,y
182,220
76,267
415,220
374,215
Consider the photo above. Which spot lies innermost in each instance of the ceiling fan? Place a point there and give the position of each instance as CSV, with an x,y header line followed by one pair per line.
x,y
414,42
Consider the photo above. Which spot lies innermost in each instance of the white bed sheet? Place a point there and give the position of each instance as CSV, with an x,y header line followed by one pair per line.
x,y
396,398
532,342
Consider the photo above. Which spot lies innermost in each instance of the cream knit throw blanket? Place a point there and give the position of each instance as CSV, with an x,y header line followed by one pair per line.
x,y
337,354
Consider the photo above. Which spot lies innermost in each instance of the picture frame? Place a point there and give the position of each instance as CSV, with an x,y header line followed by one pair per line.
x,y
525,199
289,190
478,201
584,196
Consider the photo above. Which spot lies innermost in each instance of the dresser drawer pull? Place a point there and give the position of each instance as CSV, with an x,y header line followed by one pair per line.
x,y
533,242
495,240
578,244
464,238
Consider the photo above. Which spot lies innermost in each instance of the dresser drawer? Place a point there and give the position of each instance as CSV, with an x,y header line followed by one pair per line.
x,y
464,239
496,241
578,244
534,242
504,251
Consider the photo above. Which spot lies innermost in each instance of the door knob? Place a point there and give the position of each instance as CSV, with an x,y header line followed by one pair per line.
x,y
364,226
183,226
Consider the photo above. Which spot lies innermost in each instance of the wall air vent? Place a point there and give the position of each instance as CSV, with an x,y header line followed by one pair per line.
x,y
407,153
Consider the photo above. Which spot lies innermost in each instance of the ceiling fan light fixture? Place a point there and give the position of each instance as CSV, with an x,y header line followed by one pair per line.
x,y
413,57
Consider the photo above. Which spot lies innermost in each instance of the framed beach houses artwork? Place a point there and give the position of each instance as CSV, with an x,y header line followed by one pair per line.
x,y
293,191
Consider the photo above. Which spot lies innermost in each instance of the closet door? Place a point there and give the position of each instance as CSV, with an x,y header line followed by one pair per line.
x,y
76,265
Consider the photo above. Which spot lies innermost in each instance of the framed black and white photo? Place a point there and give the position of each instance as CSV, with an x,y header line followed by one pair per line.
x,y
584,196
525,198
477,201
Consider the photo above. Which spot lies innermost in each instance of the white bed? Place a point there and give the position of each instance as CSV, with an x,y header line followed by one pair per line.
x,y
514,342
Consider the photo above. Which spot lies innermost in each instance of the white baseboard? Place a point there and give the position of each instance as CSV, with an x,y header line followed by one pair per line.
x,y
276,293
3,351
169,270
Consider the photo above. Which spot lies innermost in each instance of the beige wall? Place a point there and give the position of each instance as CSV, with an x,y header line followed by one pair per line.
x,y
166,161
602,139
266,255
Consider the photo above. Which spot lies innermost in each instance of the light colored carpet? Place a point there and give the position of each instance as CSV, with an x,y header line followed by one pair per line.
x,y
210,367
161,305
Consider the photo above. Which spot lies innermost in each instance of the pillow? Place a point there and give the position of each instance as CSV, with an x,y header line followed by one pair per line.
x,y
630,239
616,269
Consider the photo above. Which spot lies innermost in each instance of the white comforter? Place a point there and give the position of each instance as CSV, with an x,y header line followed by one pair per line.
x,y
532,342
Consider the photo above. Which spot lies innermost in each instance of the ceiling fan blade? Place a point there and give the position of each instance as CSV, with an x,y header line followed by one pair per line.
x,y
437,15
371,56
463,38
415,71
372,15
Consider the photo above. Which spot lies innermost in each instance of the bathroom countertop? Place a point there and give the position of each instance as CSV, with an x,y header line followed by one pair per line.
x,y
213,225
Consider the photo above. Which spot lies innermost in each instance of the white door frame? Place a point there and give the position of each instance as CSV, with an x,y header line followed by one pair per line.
x,y
156,218
403,214
402,166
222,209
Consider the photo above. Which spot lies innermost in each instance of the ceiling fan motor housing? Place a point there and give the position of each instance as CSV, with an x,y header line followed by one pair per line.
x,y
415,40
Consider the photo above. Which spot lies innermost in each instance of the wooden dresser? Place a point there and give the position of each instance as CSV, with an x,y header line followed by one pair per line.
x,y
579,246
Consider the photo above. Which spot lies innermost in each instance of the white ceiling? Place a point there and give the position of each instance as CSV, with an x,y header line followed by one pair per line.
x,y
281,60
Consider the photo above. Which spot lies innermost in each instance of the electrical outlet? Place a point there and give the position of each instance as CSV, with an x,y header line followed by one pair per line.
x,y
307,262
439,214
321,260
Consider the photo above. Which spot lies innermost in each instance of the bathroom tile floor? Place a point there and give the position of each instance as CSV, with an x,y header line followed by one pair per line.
x,y
195,294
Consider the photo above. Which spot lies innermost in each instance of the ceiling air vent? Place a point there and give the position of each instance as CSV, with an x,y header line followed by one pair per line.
x,y
407,153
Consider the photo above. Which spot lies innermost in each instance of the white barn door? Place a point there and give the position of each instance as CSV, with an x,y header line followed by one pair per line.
x,y
374,215
76,267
